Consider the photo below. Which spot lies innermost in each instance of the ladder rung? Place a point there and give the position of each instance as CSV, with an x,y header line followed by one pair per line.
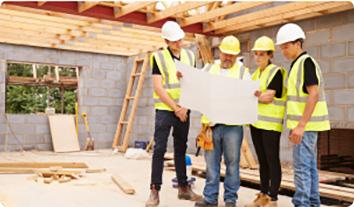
x,y
136,74
124,122
130,97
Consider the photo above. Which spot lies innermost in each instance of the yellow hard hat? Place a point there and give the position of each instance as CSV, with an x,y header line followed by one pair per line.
x,y
263,43
230,45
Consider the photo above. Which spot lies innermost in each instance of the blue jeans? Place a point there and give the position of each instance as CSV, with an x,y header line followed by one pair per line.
x,y
305,172
227,141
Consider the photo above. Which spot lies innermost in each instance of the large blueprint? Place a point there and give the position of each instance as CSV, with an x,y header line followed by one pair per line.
x,y
222,99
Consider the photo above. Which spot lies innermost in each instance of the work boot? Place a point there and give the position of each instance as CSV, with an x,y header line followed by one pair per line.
x,y
186,193
260,201
272,204
230,205
154,199
203,203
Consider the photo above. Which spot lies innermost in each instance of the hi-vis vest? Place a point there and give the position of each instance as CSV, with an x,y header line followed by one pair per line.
x,y
168,71
237,71
270,116
297,99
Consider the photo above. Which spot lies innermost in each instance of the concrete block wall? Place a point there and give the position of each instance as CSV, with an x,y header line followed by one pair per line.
x,y
101,87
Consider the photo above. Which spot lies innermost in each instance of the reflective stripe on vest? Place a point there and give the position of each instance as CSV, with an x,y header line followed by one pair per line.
x,y
165,70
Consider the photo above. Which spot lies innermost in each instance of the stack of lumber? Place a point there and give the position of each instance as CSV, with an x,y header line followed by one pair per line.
x,y
49,171
252,176
335,161
326,190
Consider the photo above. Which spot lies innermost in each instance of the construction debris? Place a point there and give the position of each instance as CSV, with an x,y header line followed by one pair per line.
x,y
42,164
122,184
47,172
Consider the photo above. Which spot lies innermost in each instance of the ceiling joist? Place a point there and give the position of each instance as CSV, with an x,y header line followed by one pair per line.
x,y
132,7
134,27
170,11
86,5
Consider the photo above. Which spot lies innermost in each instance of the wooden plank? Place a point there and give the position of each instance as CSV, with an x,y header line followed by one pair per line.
x,y
86,5
168,12
41,3
131,7
17,170
43,164
273,18
243,161
10,170
225,10
64,137
122,184
245,149
204,49
95,170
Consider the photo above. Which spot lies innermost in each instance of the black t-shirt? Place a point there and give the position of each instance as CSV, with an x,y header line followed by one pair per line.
x,y
277,84
310,76
155,67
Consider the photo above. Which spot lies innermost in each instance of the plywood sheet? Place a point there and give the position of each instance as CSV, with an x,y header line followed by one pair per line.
x,y
64,137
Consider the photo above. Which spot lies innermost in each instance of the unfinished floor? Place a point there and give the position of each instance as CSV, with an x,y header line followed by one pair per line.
x,y
96,189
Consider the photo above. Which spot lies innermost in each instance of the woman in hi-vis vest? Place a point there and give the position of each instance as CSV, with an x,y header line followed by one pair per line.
x,y
267,130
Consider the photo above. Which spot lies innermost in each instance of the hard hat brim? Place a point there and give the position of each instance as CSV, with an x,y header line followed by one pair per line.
x,y
176,37
229,52
262,49
286,41
283,42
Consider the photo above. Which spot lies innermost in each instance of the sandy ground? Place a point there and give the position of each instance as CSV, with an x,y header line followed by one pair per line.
x,y
97,189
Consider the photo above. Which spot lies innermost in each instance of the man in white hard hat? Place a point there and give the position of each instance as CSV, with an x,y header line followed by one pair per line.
x,y
168,113
306,113
226,137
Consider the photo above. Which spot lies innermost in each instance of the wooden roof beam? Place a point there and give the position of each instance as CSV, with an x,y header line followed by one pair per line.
x,y
41,3
171,11
129,8
86,5
254,16
272,18
225,10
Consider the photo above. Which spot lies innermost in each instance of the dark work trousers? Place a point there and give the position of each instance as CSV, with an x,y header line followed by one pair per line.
x,y
266,143
164,121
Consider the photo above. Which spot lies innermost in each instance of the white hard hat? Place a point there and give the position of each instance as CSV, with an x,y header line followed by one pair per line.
x,y
289,32
172,31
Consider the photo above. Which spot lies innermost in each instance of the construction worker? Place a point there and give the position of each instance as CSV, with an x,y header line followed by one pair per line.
x,y
226,137
168,113
306,113
267,129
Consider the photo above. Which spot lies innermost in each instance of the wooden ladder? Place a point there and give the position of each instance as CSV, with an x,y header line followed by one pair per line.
x,y
137,76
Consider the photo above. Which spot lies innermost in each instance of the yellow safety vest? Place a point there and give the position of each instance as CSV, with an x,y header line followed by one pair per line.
x,y
235,71
297,99
270,116
168,71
